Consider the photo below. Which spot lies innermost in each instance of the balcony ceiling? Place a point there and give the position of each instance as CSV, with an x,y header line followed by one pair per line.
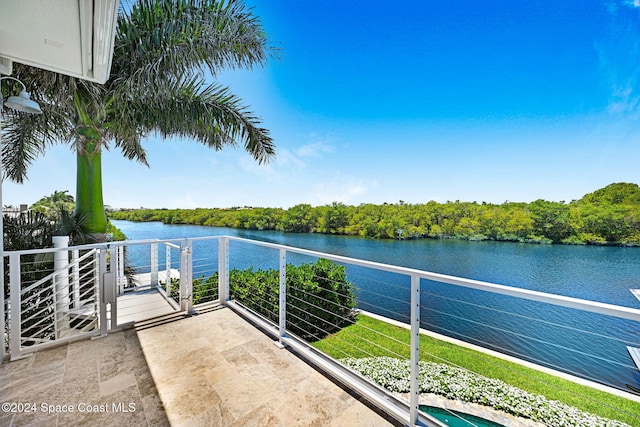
x,y
72,37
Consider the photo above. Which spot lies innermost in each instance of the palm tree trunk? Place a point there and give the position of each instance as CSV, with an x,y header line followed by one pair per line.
x,y
89,204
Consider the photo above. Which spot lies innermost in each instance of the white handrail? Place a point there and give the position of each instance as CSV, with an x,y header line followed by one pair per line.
x,y
581,304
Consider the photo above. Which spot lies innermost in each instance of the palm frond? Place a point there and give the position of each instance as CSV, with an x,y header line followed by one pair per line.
x,y
130,145
162,50
55,93
211,114
25,137
158,39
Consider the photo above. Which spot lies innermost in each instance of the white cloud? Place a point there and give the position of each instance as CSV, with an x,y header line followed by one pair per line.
x,y
249,165
341,189
623,100
287,158
315,149
618,55
288,161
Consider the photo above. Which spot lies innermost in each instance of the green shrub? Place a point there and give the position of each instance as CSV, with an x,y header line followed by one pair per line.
x,y
320,300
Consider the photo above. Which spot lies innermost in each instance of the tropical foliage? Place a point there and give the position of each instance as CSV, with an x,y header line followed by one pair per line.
x,y
609,216
320,300
28,230
31,230
163,51
52,205
35,229
374,338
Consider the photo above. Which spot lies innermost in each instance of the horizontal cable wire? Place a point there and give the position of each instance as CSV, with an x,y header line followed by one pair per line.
x,y
393,314
333,303
494,361
385,296
509,332
364,339
559,325
317,307
261,306
351,344
525,357
386,283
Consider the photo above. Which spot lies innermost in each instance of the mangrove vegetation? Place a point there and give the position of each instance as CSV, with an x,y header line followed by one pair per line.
x,y
608,216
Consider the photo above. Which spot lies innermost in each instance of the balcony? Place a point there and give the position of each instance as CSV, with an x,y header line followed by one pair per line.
x,y
210,369
82,332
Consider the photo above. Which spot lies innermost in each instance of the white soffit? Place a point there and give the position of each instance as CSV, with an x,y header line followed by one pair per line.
x,y
72,37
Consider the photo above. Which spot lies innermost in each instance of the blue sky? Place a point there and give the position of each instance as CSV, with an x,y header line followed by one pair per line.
x,y
374,102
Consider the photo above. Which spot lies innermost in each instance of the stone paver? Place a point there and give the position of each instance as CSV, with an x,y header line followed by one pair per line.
x,y
213,369
100,382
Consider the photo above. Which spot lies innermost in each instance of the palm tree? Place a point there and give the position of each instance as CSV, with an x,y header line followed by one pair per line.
x,y
162,50
53,204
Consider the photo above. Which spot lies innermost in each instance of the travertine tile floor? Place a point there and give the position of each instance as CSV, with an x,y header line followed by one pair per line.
x,y
217,369
213,369
100,382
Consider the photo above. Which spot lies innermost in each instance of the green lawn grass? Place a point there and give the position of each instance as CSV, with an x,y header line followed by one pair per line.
x,y
370,337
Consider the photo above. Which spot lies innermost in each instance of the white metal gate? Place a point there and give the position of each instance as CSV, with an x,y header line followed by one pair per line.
x,y
68,293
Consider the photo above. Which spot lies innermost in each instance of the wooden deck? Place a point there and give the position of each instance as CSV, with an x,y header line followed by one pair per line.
x,y
145,301
144,279
142,305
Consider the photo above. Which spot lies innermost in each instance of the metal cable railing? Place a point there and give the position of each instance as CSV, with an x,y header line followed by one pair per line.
x,y
435,315
398,335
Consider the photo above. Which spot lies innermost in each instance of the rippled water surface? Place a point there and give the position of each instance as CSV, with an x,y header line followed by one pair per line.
x,y
603,274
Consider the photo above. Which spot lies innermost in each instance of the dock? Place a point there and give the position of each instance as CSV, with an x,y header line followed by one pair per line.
x,y
142,305
144,300
144,279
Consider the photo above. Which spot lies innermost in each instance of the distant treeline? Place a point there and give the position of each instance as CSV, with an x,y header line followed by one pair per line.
x,y
609,216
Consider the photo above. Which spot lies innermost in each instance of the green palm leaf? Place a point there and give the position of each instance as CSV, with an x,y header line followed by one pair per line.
x,y
163,51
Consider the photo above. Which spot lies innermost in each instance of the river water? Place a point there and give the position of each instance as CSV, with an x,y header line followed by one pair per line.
x,y
521,328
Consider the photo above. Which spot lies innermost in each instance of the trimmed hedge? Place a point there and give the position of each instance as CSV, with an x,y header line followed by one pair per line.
x,y
320,300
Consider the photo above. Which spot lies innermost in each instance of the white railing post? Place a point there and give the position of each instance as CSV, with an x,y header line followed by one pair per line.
x,y
122,280
104,293
186,277
3,307
112,280
75,278
109,283
15,306
414,398
61,287
154,264
282,300
223,269
167,275
189,291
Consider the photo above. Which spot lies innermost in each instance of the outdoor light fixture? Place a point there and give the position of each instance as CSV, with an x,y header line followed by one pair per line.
x,y
22,102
